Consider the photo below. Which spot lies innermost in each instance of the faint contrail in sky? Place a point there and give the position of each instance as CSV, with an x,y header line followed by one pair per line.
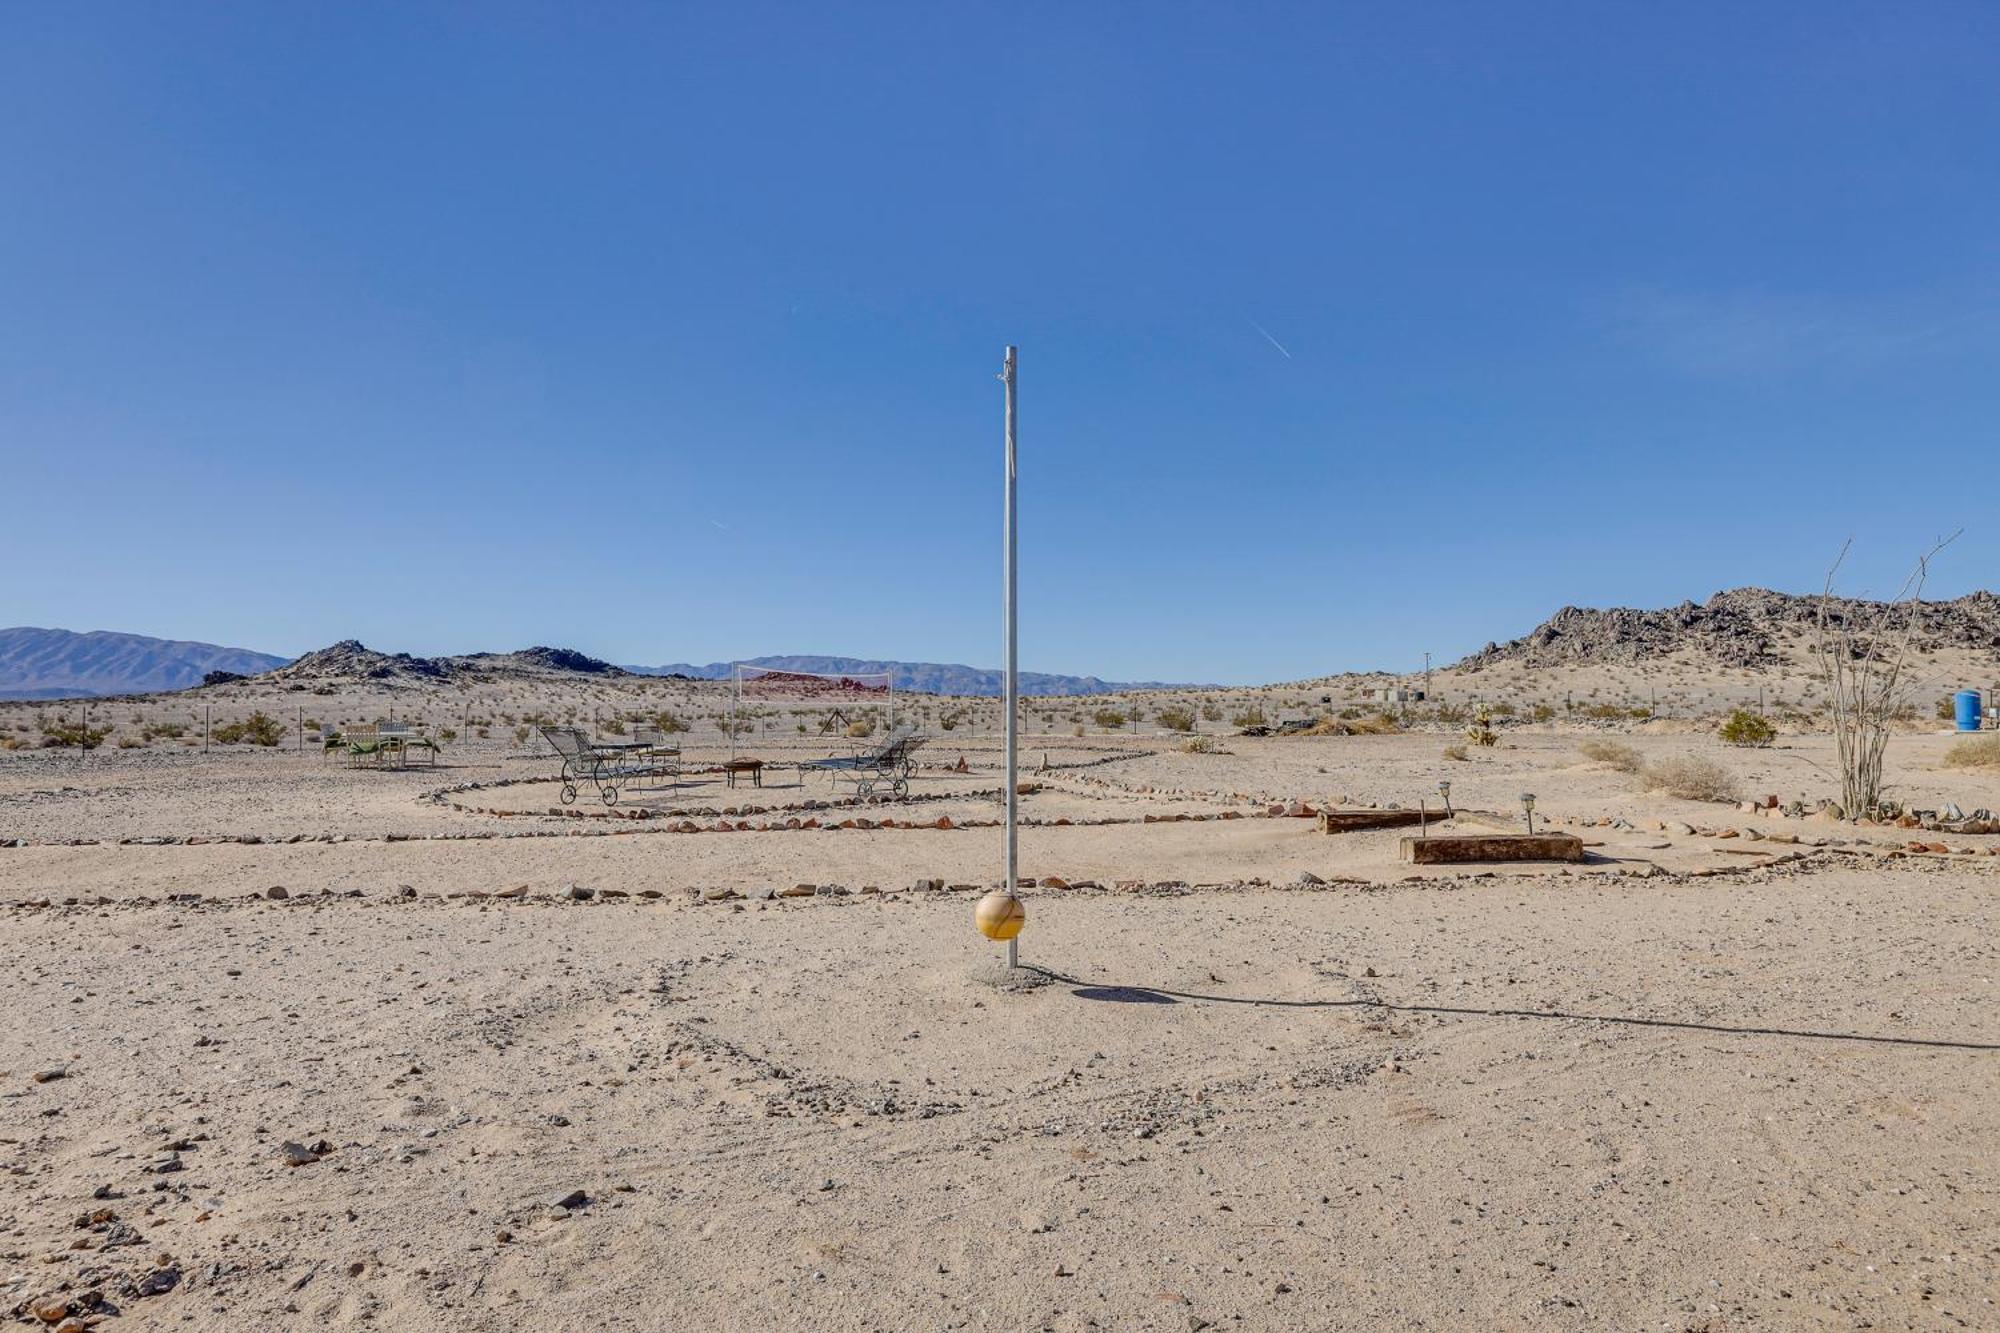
x,y
1269,339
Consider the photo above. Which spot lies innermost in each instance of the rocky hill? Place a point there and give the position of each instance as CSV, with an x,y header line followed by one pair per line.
x,y
351,660
1742,628
63,664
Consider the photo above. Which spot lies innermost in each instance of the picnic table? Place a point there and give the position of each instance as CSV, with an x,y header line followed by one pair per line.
x,y
754,767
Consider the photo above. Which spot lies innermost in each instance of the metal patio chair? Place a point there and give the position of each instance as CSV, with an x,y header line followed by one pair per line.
x,y
607,768
891,763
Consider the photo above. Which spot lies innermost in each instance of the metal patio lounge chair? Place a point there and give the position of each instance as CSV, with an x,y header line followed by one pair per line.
x,y
607,768
891,762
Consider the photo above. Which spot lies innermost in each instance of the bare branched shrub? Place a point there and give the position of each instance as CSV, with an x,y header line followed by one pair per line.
x,y
1456,752
1690,777
1198,745
1612,754
1861,663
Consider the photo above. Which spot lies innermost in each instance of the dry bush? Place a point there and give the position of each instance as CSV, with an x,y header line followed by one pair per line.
x,y
1690,777
1198,745
1613,754
1457,752
1360,726
1974,752
1176,719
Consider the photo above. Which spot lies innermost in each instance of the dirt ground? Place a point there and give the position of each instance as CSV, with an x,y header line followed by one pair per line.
x,y
1681,1086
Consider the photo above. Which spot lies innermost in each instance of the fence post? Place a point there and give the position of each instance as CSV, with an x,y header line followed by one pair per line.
x,y
204,728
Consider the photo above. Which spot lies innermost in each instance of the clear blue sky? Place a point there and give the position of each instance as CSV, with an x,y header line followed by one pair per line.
x,y
670,332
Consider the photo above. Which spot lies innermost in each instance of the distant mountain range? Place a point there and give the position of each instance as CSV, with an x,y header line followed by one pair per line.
x,y
62,664
919,677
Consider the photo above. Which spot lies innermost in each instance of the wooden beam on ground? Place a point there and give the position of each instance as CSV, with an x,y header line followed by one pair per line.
x,y
1354,821
1474,848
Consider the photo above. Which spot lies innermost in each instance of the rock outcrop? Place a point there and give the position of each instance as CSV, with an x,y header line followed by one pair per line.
x,y
1744,627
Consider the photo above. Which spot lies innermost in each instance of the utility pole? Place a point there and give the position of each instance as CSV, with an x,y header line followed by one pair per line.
x,y
1427,677
1011,688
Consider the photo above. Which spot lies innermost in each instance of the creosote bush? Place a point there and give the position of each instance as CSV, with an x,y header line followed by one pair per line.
x,y
1690,778
1458,753
1175,719
72,735
1744,727
1198,745
1614,754
258,729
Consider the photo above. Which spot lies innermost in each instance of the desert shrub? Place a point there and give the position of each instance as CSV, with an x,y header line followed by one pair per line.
x,y
613,728
1449,714
1744,727
1457,752
948,721
1078,731
1690,777
64,734
155,730
447,733
1176,719
1603,712
1974,752
130,743
668,723
1380,725
861,727
1542,712
1108,718
521,735
482,732
1945,709
1253,716
258,729
1211,712
1502,709
1198,745
1614,754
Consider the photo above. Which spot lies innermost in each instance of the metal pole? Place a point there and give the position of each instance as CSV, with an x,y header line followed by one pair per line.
x,y
1012,686
1427,677
204,728
302,728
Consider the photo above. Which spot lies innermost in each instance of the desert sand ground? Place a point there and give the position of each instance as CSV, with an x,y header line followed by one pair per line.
x,y
577,1070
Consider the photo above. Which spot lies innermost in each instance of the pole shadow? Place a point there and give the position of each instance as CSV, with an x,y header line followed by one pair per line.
x,y
1118,994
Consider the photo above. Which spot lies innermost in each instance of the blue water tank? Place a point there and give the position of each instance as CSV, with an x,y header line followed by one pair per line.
x,y
1966,707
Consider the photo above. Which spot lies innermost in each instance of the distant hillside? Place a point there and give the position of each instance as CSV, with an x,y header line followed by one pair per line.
x,y
62,664
921,677
351,660
1744,627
